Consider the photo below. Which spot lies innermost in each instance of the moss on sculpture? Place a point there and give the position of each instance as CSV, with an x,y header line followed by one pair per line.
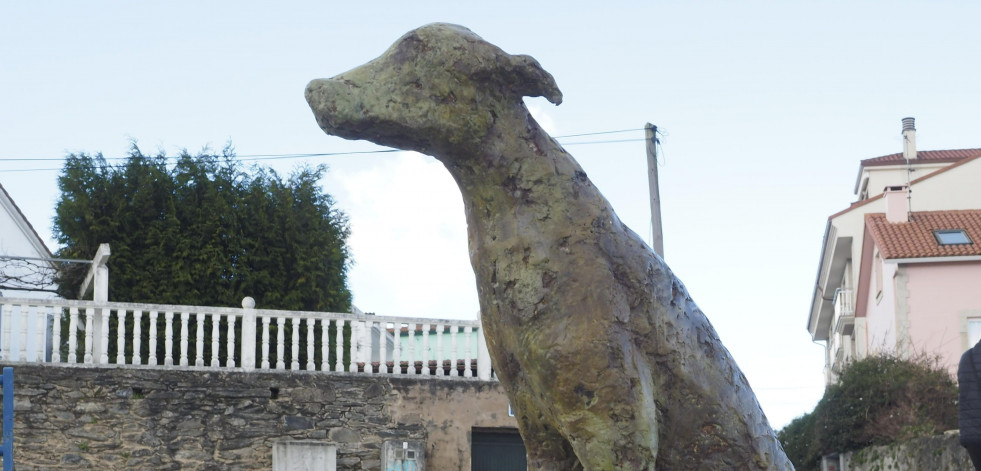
x,y
607,361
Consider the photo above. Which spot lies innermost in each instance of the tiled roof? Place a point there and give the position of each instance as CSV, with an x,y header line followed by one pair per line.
x,y
915,239
948,168
938,156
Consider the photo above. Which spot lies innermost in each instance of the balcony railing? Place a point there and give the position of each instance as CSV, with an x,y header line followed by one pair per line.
x,y
59,331
844,315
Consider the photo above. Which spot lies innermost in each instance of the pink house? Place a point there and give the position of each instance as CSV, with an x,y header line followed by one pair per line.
x,y
920,287
900,269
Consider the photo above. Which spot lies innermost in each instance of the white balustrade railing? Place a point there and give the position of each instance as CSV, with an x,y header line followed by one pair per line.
x,y
844,310
128,334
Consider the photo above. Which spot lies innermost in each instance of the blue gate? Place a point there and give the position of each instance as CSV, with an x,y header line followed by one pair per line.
x,y
7,448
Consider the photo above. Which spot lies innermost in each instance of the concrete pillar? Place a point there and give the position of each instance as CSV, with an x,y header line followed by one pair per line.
x,y
99,278
248,334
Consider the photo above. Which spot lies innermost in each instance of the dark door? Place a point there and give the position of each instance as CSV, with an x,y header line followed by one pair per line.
x,y
497,450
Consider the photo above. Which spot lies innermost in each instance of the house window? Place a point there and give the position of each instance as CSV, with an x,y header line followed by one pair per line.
x,y
952,237
973,331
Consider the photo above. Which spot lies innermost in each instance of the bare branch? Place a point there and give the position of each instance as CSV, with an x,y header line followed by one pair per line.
x,y
27,275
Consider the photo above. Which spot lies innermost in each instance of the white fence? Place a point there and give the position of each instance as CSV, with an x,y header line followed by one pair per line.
x,y
60,331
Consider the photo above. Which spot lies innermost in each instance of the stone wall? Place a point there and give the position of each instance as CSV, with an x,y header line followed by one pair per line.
x,y
140,418
940,452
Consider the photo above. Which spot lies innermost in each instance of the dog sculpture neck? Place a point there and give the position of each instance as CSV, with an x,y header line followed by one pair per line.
x,y
607,361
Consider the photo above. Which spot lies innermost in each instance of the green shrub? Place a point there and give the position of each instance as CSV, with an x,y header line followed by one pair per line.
x,y
798,442
877,400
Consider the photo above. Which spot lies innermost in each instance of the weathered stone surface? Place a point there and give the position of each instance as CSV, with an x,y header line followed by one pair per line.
x,y
298,423
936,452
344,435
69,426
606,359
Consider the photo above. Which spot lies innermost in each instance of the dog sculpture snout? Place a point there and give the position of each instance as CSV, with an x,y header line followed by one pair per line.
x,y
443,81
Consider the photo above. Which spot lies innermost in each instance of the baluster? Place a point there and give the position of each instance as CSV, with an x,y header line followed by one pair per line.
x,y
199,339
41,327
440,356
7,315
5,332
357,339
215,338
265,343
184,340
72,334
454,346
230,348
383,347
365,345
152,351
280,326
372,347
104,337
25,315
169,339
8,340
467,331
89,315
324,344
295,345
396,348
37,353
55,335
366,342
310,325
10,354
353,365
338,345
137,333
411,355
120,336
425,350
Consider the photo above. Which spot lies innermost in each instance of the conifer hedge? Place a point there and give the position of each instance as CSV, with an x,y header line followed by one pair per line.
x,y
201,230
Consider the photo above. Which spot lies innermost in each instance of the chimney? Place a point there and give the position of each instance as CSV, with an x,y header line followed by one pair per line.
x,y
896,204
909,139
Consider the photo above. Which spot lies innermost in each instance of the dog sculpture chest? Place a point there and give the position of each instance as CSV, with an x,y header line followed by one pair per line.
x,y
607,361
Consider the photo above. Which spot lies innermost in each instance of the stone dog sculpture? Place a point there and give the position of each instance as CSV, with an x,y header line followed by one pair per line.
x,y
607,361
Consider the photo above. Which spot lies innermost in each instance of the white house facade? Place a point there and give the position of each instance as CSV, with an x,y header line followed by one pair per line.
x,y
926,183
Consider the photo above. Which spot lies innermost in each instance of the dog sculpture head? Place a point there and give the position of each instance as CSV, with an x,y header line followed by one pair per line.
x,y
439,89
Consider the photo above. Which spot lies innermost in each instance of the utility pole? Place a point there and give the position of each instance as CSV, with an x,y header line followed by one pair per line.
x,y
650,132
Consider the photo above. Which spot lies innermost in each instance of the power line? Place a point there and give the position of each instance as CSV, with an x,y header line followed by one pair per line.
x,y
263,157
603,142
598,133
45,259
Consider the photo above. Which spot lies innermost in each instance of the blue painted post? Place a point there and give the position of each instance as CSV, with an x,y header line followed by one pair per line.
x,y
7,448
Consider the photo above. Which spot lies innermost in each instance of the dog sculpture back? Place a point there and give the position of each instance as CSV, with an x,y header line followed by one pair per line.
x,y
607,361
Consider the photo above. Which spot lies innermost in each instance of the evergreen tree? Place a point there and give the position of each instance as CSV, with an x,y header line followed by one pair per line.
x,y
203,231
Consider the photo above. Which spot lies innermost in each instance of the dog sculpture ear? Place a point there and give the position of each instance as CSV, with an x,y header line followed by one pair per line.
x,y
527,78
520,75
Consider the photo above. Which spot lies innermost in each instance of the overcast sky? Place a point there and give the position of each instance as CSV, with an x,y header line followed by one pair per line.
x,y
766,110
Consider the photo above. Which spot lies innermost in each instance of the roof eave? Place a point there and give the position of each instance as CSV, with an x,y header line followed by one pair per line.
x,y
834,254
950,259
